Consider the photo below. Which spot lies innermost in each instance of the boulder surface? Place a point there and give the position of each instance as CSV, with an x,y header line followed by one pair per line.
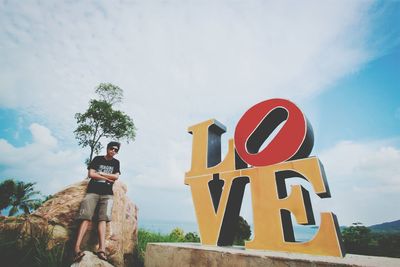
x,y
91,260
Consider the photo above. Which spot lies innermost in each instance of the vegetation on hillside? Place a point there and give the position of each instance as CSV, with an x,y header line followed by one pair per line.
x,y
359,239
33,249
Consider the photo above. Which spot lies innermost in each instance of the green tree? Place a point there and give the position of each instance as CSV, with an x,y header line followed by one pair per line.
x,y
357,238
22,198
110,93
18,196
243,232
101,121
6,192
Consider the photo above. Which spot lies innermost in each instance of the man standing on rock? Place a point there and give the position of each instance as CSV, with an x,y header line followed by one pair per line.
x,y
103,171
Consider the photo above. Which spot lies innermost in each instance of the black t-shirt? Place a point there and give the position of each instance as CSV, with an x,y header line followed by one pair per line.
x,y
100,164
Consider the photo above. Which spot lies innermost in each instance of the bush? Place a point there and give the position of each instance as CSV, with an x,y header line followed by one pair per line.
x,y
192,237
177,235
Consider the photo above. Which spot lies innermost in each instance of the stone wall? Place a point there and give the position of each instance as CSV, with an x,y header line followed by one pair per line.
x,y
195,255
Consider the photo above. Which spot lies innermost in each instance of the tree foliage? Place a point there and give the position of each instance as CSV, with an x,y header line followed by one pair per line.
x,y
110,93
356,237
243,232
19,196
100,120
6,192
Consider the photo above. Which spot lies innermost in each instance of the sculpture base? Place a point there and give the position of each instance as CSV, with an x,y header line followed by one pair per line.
x,y
196,255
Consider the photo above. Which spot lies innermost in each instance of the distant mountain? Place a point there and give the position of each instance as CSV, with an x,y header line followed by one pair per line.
x,y
386,227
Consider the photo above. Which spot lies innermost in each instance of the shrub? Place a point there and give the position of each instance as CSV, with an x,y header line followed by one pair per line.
x,y
31,249
177,235
192,237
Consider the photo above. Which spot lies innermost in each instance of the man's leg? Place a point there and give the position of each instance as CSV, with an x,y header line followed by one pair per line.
x,y
86,211
81,233
102,235
105,210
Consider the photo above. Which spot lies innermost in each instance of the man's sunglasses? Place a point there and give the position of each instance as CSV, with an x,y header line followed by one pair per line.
x,y
115,149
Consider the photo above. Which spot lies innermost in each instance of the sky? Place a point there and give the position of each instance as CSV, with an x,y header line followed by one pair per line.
x,y
184,62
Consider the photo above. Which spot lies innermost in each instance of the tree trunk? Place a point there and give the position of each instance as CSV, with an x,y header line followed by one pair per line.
x,y
91,155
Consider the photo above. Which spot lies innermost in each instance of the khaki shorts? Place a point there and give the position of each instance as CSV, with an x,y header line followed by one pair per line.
x,y
103,203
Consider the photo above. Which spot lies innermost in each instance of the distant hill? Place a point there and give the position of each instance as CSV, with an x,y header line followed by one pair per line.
x,y
386,227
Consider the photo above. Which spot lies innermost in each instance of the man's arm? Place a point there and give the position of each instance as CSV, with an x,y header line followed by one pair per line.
x,y
113,177
98,176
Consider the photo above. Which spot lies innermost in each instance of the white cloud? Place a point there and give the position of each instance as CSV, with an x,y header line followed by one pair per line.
x,y
41,161
42,136
176,56
364,179
375,163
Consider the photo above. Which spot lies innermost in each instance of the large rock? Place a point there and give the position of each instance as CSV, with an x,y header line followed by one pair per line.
x,y
58,215
91,260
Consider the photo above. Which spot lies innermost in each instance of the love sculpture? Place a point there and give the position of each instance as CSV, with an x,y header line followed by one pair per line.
x,y
218,186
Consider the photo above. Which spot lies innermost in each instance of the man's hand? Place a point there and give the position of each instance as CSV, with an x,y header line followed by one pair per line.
x,y
101,176
110,176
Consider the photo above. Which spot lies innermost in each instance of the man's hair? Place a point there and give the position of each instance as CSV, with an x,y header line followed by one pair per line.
x,y
112,144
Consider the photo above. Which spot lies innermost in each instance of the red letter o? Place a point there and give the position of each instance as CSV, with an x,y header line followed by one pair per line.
x,y
293,141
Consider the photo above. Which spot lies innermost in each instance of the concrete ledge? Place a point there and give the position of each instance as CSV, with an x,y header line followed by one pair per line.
x,y
193,254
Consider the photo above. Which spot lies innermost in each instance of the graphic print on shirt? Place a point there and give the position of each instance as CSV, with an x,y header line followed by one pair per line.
x,y
106,169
